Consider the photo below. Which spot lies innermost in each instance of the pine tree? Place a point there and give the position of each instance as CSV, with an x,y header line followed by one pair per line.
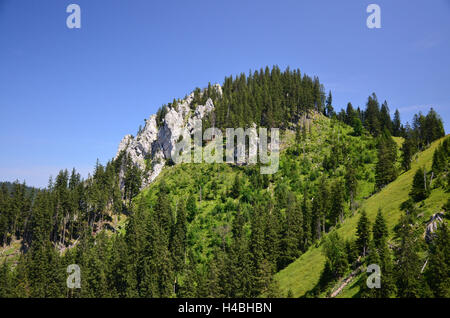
x,y
438,271
380,231
257,238
272,234
396,124
336,255
385,170
357,127
433,127
350,115
189,286
239,267
408,276
329,111
385,118
373,258
351,182
337,202
191,207
407,153
388,288
5,281
308,226
420,189
293,232
440,157
236,188
178,240
372,115
363,233
380,234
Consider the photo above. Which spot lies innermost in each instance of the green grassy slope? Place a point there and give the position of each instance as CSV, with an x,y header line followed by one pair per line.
x,y
303,274
300,164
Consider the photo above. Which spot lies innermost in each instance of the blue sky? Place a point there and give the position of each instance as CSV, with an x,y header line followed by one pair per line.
x,y
68,96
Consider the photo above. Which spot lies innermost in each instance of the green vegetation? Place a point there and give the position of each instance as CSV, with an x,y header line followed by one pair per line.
x,y
353,188
303,275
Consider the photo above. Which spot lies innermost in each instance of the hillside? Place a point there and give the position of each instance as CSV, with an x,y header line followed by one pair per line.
x,y
302,275
300,168
147,225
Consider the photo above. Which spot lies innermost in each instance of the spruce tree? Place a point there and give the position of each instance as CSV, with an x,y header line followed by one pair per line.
x,y
363,233
329,111
337,202
379,230
396,124
191,207
407,153
178,240
385,170
293,232
409,280
385,118
372,116
438,271
336,255
388,288
420,189
373,258
5,281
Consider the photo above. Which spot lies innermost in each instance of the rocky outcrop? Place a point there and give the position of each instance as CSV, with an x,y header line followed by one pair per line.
x,y
155,144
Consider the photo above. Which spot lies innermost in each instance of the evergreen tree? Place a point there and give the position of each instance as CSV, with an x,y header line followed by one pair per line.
x,y
350,115
407,153
373,258
385,118
440,157
178,240
388,288
385,170
329,110
307,221
336,255
236,188
380,231
420,189
337,202
357,127
409,280
396,124
363,233
293,233
351,182
372,115
5,281
433,127
438,272
191,207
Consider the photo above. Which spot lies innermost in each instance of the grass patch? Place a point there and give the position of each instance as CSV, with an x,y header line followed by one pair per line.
x,y
303,274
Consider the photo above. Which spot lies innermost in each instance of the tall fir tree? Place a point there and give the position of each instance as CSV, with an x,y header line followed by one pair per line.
x,y
363,233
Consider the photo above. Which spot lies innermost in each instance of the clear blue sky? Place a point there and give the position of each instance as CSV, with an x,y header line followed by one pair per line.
x,y
67,97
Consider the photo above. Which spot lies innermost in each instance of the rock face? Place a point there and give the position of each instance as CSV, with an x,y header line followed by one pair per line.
x,y
154,145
